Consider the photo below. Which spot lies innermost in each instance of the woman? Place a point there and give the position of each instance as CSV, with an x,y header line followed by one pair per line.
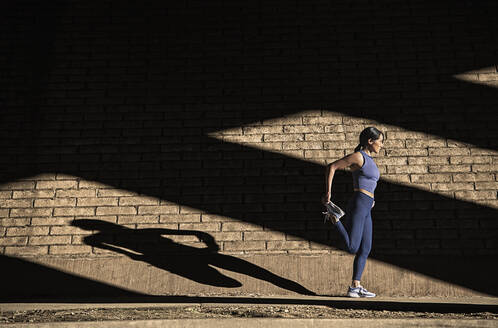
x,y
357,227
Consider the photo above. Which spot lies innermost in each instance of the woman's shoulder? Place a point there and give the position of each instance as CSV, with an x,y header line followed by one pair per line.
x,y
356,154
357,158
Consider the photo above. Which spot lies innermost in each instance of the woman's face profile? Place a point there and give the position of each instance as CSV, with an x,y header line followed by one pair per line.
x,y
376,145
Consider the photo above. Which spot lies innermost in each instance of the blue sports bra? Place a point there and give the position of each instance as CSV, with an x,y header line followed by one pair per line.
x,y
367,176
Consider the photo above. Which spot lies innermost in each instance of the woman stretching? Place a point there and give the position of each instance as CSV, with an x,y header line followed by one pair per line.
x,y
357,227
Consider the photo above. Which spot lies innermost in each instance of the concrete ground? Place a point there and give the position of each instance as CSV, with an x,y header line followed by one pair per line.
x,y
446,304
439,305
273,323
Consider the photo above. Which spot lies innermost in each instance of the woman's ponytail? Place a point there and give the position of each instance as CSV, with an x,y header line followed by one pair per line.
x,y
357,148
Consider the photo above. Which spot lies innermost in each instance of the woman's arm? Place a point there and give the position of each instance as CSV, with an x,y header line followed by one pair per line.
x,y
351,160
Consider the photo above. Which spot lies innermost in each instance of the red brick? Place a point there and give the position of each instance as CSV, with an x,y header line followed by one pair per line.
x,y
304,129
33,194
13,241
413,143
117,210
302,145
27,231
171,226
483,152
20,185
284,245
10,222
227,236
393,144
243,245
50,240
18,212
322,120
105,218
391,161
407,169
244,138
485,168
449,151
216,218
93,185
407,152
492,185
115,193
448,168
183,238
452,186
324,136
15,203
405,135
75,193
346,145
470,177
67,211
263,235
268,129
94,201
430,178
49,221
283,137
58,202
213,226
130,219
474,195
26,250
123,201
56,184
193,218
239,226
336,154
67,230
5,194
427,160
158,209
188,210
470,159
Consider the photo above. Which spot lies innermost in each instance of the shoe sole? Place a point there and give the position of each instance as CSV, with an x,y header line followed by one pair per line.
x,y
360,296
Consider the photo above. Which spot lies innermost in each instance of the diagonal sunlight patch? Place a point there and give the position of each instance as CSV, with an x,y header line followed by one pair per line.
x,y
485,76
409,158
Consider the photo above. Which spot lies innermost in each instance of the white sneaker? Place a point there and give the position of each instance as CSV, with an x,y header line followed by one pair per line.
x,y
359,292
333,214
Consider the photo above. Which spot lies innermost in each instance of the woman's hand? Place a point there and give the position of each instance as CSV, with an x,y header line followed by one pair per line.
x,y
326,198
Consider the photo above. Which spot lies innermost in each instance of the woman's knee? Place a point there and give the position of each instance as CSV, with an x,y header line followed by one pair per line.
x,y
353,249
360,251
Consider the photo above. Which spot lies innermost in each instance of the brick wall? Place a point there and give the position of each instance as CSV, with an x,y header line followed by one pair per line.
x,y
219,118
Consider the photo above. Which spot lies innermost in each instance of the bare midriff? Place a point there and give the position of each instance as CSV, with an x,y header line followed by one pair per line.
x,y
366,192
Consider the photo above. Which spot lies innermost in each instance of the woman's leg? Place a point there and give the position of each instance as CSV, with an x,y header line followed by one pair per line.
x,y
354,224
365,247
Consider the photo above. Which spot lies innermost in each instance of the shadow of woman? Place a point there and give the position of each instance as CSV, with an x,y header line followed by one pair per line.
x,y
197,264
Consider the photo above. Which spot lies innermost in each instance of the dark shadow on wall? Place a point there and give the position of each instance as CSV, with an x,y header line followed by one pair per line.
x,y
126,92
26,281
197,264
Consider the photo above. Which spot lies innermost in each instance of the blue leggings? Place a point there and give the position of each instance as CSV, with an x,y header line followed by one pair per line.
x,y
357,230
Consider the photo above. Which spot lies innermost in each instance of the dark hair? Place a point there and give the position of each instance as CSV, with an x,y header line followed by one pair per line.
x,y
368,133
